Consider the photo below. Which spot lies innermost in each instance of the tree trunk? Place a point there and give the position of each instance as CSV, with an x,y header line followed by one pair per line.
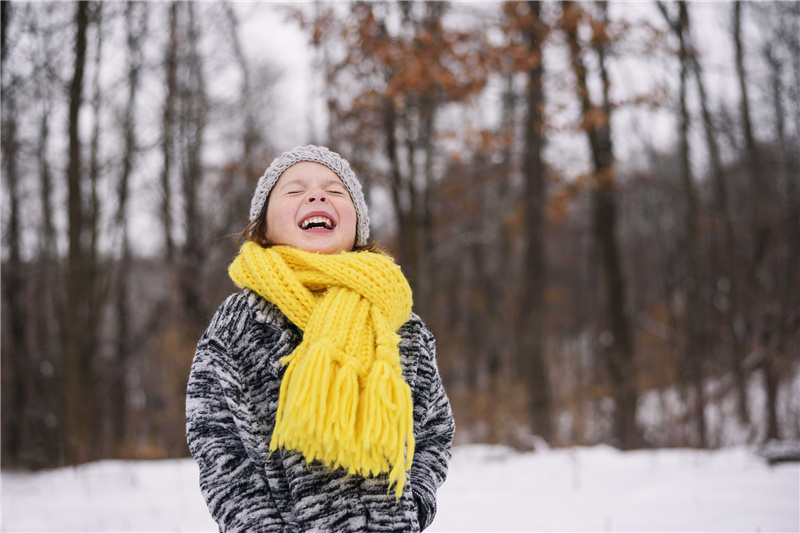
x,y
5,16
730,292
250,136
45,443
48,246
195,107
764,306
402,199
424,146
77,358
532,363
506,269
167,139
15,353
787,253
616,343
95,276
692,353
119,388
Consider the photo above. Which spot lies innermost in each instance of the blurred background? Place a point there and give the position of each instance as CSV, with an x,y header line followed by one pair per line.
x,y
597,205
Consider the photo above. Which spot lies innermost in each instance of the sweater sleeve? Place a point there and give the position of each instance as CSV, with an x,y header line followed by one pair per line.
x,y
433,433
233,484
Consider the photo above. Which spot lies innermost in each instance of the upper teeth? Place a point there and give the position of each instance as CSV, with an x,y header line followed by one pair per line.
x,y
317,220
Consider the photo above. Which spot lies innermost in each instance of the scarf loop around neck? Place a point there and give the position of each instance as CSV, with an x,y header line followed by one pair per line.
x,y
342,400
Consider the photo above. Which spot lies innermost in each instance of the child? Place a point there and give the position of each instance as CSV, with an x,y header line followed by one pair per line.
x,y
314,401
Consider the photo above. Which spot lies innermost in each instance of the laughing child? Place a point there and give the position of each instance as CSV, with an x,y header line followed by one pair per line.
x,y
314,401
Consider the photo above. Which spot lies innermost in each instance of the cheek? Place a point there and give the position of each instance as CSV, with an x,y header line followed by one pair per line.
x,y
347,209
351,218
276,221
280,213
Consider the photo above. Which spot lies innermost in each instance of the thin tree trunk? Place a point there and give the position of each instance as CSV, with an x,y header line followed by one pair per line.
x,y
404,131
425,146
752,152
5,16
195,107
617,346
506,265
46,325
15,353
399,190
167,140
533,366
250,134
414,259
95,276
692,351
77,359
119,389
732,292
761,278
48,247
787,256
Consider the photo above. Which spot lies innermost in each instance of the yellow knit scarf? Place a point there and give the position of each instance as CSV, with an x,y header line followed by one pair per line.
x,y
343,400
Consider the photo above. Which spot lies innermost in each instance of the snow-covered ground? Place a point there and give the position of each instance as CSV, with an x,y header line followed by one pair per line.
x,y
490,488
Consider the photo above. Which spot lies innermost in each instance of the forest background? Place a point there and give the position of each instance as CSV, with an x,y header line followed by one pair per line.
x,y
596,204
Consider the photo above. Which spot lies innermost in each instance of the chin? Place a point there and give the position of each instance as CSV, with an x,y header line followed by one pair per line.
x,y
323,249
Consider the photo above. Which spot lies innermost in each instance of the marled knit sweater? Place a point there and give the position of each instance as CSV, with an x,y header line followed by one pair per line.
x,y
231,402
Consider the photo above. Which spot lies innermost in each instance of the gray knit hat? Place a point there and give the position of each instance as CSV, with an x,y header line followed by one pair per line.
x,y
332,160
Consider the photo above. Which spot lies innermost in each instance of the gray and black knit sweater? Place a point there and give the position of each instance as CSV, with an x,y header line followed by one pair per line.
x,y
230,414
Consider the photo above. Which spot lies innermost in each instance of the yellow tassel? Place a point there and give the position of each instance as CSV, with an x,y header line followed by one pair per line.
x,y
342,400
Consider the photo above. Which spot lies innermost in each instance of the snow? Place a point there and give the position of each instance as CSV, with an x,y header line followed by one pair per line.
x,y
603,489
489,488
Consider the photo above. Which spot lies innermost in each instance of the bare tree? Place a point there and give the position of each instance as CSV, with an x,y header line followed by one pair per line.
x,y
783,301
78,358
136,17
616,343
531,358
250,135
194,107
13,287
730,290
764,297
691,352
168,132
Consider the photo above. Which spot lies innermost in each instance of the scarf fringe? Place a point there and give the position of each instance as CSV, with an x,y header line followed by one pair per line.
x,y
343,400
332,411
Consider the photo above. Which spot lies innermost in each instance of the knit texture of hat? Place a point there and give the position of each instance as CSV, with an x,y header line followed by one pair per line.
x,y
324,156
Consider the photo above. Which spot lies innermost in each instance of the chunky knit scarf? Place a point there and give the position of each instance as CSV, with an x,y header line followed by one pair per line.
x,y
343,400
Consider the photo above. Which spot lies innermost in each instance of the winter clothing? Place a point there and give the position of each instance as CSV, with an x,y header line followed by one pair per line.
x,y
342,400
231,407
315,154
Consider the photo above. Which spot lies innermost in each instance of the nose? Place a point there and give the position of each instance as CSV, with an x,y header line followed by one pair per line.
x,y
317,195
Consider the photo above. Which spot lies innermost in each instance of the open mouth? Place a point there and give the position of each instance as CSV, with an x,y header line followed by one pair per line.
x,y
317,222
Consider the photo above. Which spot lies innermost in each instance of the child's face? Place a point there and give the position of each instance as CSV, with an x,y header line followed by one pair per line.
x,y
309,208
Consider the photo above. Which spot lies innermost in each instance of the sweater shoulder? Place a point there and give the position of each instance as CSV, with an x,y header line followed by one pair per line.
x,y
416,335
417,351
228,318
241,311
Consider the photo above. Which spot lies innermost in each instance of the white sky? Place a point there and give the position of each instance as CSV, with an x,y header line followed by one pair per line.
x,y
266,35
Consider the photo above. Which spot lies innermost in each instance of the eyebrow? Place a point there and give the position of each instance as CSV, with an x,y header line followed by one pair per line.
x,y
295,182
